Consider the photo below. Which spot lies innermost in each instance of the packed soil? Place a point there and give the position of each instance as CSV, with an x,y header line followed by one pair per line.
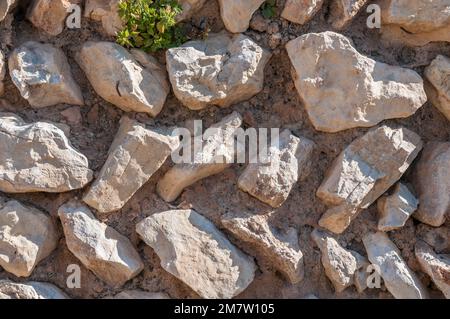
x,y
278,105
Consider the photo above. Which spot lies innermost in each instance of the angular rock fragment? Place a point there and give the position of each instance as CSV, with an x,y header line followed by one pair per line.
x,y
132,82
222,70
342,12
438,86
106,12
434,265
189,7
42,74
236,14
365,170
5,7
395,209
101,249
2,71
341,266
27,236
432,183
134,156
192,249
216,155
401,281
30,290
38,157
342,89
50,15
301,11
415,22
280,248
438,238
288,162
139,294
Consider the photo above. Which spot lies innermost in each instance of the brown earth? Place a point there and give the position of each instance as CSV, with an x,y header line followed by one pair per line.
x,y
278,105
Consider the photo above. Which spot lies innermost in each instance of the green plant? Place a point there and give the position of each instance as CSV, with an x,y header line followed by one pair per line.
x,y
150,24
268,9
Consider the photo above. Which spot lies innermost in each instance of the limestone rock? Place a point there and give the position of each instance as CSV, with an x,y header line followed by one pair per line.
x,y
49,15
192,249
436,237
401,281
27,236
5,7
236,14
215,156
301,11
341,266
395,209
139,294
342,12
436,266
222,70
106,12
132,82
415,22
38,157
280,248
30,290
189,8
364,171
101,249
134,156
438,86
2,71
287,163
432,183
42,74
342,89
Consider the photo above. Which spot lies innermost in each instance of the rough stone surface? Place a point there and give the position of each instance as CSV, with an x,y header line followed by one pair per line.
x,y
42,74
288,162
401,281
278,247
104,251
30,290
436,237
396,208
222,70
415,22
341,265
342,12
432,183
139,294
215,156
38,157
106,12
192,249
365,170
301,11
342,89
49,15
2,71
438,86
436,266
190,7
27,235
131,81
236,14
134,156
5,7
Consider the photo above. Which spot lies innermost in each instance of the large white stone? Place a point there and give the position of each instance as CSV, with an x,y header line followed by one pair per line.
x,y
38,157
236,14
343,89
192,249
30,290
438,85
134,156
101,249
42,74
131,81
364,171
222,70
50,15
